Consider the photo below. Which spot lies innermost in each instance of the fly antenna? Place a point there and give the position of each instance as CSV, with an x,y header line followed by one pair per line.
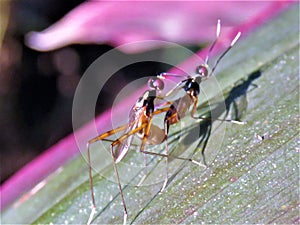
x,y
225,52
165,74
215,41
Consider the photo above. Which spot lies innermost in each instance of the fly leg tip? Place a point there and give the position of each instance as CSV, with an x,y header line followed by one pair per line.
x,y
93,212
238,122
164,185
142,180
199,163
125,218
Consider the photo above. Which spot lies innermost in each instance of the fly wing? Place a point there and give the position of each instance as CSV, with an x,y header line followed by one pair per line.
x,y
183,105
176,89
122,149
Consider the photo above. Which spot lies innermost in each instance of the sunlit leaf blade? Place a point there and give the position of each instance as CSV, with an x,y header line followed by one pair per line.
x,y
253,170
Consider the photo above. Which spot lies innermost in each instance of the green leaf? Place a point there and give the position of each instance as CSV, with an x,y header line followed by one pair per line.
x,y
253,169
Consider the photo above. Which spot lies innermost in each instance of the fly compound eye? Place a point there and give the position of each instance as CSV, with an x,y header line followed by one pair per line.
x,y
156,83
202,70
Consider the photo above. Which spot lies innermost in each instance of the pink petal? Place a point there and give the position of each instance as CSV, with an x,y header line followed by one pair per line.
x,y
118,23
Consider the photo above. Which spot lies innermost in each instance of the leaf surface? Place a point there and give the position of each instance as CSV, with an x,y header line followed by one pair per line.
x,y
253,170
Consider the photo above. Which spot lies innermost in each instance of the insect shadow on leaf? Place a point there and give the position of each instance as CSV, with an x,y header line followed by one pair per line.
x,y
235,102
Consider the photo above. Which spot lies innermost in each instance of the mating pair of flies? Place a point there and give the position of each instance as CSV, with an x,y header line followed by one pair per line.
x,y
141,116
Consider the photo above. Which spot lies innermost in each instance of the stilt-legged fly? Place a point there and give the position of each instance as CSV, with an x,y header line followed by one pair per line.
x,y
140,124
177,109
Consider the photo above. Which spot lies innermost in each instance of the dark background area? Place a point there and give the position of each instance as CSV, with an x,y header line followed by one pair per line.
x,y
36,88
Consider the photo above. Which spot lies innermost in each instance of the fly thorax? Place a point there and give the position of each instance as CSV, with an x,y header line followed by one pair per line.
x,y
192,87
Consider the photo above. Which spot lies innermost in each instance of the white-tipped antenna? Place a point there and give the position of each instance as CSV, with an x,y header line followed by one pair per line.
x,y
215,41
236,38
218,28
225,52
